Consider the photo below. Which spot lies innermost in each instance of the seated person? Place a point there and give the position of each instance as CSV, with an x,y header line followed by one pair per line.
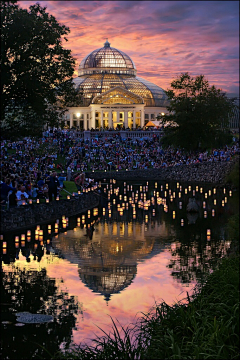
x,y
22,196
45,190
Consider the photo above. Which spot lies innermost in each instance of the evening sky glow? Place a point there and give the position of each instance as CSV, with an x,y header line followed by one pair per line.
x,y
163,38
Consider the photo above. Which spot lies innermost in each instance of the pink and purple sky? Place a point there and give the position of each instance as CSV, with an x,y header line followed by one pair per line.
x,y
163,38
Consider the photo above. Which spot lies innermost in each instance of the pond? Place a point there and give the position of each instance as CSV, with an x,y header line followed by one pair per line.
x,y
138,248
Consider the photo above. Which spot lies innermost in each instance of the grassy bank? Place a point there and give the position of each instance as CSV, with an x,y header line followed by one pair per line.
x,y
207,327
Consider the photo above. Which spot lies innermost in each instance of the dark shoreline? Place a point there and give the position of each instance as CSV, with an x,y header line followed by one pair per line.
x,y
206,172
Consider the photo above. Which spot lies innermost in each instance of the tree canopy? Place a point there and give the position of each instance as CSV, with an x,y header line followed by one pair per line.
x,y
198,115
36,69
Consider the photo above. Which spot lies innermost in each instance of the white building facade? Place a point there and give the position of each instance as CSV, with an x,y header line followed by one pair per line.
x,y
113,96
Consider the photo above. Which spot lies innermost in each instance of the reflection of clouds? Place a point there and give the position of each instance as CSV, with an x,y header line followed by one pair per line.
x,y
182,27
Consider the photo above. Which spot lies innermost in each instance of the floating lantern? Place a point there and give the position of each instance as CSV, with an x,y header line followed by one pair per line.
x,y
22,236
182,222
171,198
166,186
174,195
214,190
208,237
223,202
186,191
68,197
180,205
161,187
208,232
4,251
169,191
193,192
155,185
205,214
40,232
209,192
37,201
177,185
16,238
1,237
146,218
213,212
47,200
38,227
224,191
189,188
179,194
165,193
201,190
57,198
28,238
48,241
35,246
225,199
206,195
215,202
204,204
4,245
22,243
153,212
180,187
197,188
30,201
29,233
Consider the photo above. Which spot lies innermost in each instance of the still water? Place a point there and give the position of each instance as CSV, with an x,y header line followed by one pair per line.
x,y
140,246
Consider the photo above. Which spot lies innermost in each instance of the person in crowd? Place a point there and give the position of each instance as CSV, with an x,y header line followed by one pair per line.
x,y
12,199
53,185
22,196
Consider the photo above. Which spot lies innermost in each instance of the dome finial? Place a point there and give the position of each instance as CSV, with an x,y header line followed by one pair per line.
x,y
106,44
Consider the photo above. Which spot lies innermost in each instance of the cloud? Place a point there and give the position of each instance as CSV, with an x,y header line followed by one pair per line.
x,y
161,36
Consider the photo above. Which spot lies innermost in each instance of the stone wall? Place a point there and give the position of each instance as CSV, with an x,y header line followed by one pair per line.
x,y
209,172
26,216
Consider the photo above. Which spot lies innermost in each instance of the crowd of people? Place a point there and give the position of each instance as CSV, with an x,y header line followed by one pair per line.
x,y
32,167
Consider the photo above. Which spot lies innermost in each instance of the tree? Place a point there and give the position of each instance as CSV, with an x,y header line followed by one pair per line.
x,y
198,115
36,69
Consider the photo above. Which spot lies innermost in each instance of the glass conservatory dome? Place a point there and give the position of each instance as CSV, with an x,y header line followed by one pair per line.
x,y
106,60
106,68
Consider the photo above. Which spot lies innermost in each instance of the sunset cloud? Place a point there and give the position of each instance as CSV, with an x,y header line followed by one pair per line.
x,y
163,38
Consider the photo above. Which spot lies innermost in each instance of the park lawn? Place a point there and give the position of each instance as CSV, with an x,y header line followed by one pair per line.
x,y
70,188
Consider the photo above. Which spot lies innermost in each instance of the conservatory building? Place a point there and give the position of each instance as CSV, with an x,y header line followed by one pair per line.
x,y
112,95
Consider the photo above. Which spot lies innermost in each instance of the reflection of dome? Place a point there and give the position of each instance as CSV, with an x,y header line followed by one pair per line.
x,y
107,263
107,281
106,68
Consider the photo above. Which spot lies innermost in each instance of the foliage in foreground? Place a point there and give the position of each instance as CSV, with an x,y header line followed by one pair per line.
x,y
206,327
36,70
200,114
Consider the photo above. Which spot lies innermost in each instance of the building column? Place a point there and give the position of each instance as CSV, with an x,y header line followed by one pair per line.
x,y
84,121
92,121
110,120
142,118
118,116
101,120
71,120
125,119
134,119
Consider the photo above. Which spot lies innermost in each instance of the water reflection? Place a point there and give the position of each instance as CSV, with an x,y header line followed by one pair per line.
x,y
107,261
139,246
35,292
